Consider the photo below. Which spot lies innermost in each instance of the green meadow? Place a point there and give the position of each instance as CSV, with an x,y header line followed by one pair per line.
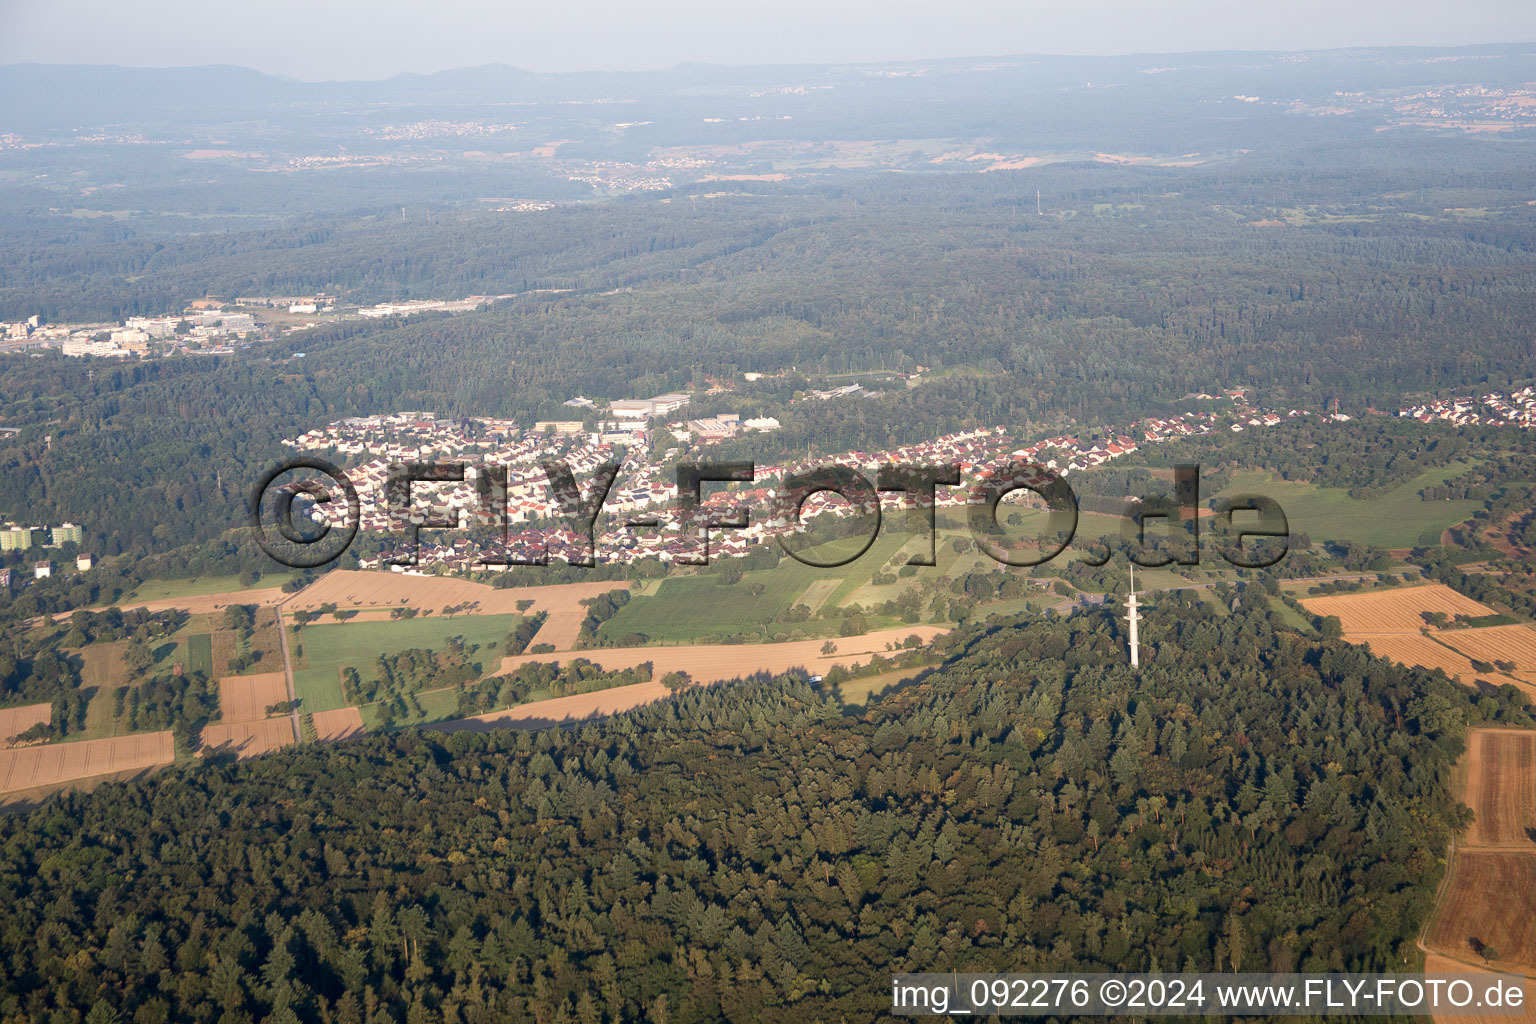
x,y
330,648
1397,519
201,586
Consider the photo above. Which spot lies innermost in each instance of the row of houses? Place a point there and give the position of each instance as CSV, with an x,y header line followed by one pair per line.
x,y
1516,409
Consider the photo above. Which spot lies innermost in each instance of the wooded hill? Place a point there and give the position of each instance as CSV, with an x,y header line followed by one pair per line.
x,y
1251,800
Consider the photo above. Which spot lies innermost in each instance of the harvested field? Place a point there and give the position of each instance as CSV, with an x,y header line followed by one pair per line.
x,y
1477,912
1439,965
1497,643
1400,610
353,588
50,763
14,721
1419,650
710,663
563,620
248,739
246,698
560,710
1500,768
341,724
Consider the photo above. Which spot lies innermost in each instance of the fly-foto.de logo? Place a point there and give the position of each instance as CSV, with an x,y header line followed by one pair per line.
x,y
332,512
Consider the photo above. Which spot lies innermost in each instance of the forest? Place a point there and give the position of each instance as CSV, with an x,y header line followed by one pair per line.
x,y
1253,800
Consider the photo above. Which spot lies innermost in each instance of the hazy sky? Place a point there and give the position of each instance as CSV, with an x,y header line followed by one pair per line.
x,y
315,39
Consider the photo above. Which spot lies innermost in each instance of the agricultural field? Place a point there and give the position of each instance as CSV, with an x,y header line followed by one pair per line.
x,y
1420,651
1492,644
17,720
205,604
710,663
862,689
1477,921
1439,965
435,706
341,724
102,664
689,609
351,589
262,647
684,609
1392,624
1400,610
561,710
199,651
1500,788
1477,915
248,739
246,698
1397,519
52,763
201,586
327,649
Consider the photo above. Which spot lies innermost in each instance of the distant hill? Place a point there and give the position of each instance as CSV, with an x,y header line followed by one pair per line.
x,y
35,96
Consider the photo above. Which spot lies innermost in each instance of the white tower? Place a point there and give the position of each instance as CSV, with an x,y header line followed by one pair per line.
x,y
1133,618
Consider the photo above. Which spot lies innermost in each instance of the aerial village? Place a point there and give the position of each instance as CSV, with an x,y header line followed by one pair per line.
x,y
640,513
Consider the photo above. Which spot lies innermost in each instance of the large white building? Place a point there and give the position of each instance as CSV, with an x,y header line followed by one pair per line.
x,y
645,408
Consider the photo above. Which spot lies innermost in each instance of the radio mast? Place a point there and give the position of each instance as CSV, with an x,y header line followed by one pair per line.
x,y
1037,203
1133,618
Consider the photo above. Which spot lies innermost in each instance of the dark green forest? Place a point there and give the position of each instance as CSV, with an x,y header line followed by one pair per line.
x,y
1252,799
